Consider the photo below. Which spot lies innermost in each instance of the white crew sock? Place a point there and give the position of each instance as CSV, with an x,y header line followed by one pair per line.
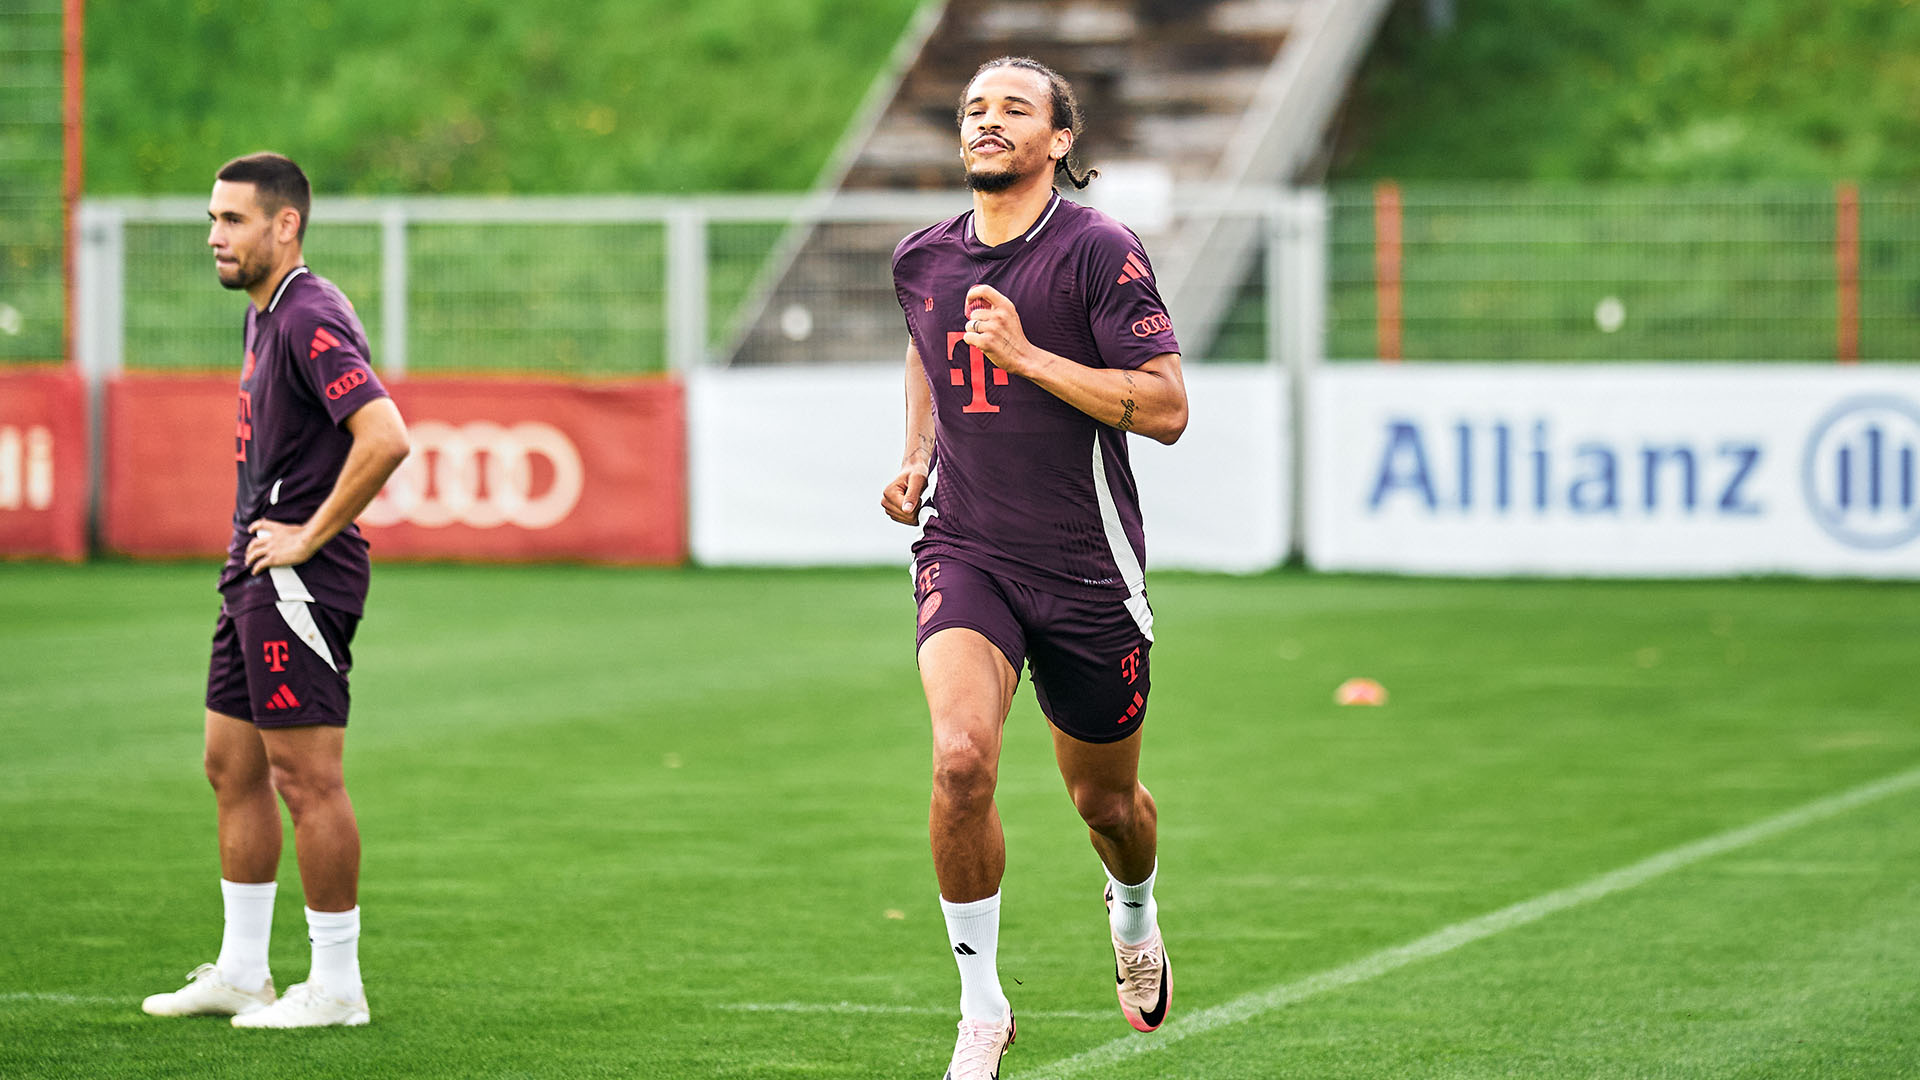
x,y
973,929
1134,911
247,932
336,952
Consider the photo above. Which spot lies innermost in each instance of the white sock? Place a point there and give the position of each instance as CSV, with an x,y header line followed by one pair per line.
x,y
1134,911
973,929
336,952
248,930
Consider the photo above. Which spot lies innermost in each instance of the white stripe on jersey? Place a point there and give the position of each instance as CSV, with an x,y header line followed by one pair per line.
x,y
1044,218
1128,563
284,282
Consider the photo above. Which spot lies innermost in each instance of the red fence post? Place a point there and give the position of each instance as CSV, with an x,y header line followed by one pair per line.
x,y
73,165
1846,260
1386,268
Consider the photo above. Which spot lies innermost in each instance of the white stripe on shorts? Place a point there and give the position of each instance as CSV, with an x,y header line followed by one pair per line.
x,y
294,599
1124,559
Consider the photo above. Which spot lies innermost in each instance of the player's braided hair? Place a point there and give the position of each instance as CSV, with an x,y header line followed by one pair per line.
x,y
278,181
1066,112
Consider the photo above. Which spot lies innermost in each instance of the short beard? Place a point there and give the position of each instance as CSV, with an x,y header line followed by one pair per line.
x,y
992,183
245,276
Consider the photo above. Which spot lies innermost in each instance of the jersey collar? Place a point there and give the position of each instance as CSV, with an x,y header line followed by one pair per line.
x,y
286,281
1005,250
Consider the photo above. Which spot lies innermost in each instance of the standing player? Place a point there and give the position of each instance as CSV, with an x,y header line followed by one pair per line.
x,y
1038,341
316,439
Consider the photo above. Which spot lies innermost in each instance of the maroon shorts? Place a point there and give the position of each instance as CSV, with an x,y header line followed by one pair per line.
x,y
282,665
1088,657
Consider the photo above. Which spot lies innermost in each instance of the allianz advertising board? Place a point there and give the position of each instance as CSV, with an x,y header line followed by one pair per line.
x,y
1615,470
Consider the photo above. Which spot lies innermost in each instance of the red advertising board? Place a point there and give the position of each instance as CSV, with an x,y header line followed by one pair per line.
x,y
43,464
500,470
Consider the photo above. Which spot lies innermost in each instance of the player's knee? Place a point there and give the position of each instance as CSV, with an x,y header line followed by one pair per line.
x,y
303,788
1105,811
964,775
230,775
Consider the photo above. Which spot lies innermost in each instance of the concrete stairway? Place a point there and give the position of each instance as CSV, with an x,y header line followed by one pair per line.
x,y
1169,87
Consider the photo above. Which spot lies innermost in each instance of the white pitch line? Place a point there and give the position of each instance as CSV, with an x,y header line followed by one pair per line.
x,y
1260,1002
63,999
856,1008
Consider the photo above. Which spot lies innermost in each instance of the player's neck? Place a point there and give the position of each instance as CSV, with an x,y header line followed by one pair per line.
x,y
1000,216
262,292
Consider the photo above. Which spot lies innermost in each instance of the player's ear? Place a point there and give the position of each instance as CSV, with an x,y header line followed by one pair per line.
x,y
1062,145
286,224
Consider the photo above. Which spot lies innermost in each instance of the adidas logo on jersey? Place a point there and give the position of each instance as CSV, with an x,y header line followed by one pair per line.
x,y
322,341
1136,269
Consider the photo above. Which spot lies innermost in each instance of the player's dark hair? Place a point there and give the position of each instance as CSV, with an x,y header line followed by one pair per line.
x,y
1066,111
278,181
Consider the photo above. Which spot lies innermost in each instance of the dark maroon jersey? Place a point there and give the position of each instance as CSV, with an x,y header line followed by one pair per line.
x,y
306,371
1026,485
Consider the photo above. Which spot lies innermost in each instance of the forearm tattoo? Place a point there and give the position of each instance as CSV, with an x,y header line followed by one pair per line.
x,y
1126,415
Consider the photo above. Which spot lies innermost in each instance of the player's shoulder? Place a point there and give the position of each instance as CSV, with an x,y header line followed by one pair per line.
x,y
312,301
930,239
1089,229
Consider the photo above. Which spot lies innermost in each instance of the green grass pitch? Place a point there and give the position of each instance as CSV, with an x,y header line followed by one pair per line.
x,y
671,824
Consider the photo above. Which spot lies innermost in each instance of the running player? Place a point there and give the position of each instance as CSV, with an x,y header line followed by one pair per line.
x,y
317,437
1038,341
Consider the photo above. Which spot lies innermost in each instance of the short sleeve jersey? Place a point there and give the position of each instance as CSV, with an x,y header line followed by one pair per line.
x,y
306,371
1024,484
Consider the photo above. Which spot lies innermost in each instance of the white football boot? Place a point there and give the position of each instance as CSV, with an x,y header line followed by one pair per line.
x,y
977,1052
208,994
1143,979
305,1005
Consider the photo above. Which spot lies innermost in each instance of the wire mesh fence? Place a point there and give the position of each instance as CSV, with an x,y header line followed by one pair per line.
x,y
32,275
629,286
1500,273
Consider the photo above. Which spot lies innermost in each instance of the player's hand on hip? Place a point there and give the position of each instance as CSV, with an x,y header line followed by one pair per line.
x,y
277,543
901,499
993,327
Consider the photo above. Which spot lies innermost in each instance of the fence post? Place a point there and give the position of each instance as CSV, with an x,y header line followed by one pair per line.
x,y
1386,269
393,290
100,277
1296,328
686,288
1846,263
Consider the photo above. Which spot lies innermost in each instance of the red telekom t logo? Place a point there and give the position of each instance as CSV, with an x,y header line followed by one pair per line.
x,y
978,361
276,654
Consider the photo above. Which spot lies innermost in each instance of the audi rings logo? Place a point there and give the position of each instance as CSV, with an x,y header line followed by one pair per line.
x,y
1861,473
484,475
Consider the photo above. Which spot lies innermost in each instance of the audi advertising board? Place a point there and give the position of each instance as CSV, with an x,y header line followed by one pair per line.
x,y
43,464
1615,470
500,469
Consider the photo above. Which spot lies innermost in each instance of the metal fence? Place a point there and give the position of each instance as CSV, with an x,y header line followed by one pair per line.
x,y
1505,273
614,286
32,292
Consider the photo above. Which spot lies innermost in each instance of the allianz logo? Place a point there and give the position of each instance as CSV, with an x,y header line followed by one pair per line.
x,y
1468,467
1858,472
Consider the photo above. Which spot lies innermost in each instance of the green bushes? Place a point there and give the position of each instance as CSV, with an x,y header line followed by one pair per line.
x,y
376,97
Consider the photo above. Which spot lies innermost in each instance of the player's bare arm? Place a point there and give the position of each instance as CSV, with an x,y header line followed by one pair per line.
x,y
902,498
1150,399
380,444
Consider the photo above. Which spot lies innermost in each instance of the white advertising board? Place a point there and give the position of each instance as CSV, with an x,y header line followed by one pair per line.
x,y
786,466
1614,470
